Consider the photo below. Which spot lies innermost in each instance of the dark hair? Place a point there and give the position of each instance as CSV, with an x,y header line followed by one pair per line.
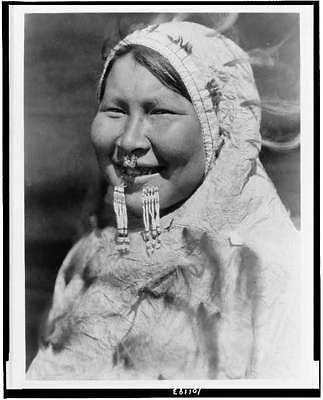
x,y
158,65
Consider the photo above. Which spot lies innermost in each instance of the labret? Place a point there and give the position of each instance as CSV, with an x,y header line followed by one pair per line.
x,y
150,209
151,218
120,208
130,160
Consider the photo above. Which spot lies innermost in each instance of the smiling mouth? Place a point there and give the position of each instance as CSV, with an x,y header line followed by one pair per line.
x,y
138,171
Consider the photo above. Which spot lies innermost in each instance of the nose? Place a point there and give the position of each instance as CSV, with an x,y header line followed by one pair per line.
x,y
133,139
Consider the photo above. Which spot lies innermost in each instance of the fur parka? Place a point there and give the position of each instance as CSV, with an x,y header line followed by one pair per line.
x,y
219,299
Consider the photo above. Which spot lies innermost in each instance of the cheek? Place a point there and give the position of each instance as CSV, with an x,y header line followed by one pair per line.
x,y
103,135
181,144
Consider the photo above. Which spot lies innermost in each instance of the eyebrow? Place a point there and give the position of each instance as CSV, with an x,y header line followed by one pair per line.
x,y
149,101
168,99
115,100
119,101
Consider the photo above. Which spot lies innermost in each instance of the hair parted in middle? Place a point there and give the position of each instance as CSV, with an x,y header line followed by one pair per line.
x,y
158,65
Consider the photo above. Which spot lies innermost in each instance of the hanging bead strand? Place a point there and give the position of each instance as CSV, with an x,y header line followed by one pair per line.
x,y
145,206
120,209
157,214
151,218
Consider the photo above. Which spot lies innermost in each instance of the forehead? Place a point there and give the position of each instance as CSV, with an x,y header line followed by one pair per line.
x,y
128,78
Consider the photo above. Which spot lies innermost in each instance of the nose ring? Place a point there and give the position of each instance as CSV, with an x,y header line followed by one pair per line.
x,y
130,160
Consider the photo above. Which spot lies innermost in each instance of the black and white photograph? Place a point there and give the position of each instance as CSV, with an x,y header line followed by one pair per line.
x,y
161,194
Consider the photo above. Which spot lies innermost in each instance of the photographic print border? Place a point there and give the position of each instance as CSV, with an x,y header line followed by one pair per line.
x,y
85,392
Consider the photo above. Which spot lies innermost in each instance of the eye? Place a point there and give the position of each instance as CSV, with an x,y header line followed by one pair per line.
x,y
113,112
161,111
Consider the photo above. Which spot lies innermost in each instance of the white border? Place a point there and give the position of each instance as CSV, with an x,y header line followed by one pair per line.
x,y
16,365
158,8
307,183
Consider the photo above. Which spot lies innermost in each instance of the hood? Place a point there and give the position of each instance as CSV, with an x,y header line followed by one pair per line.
x,y
219,79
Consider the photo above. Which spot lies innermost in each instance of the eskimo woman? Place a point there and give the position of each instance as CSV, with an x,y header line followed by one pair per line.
x,y
195,273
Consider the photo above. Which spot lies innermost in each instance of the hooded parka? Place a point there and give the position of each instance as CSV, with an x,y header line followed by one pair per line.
x,y
219,299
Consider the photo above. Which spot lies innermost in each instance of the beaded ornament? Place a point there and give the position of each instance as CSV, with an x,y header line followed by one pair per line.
x,y
151,218
120,209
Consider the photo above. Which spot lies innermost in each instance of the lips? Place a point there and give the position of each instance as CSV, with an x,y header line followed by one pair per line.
x,y
139,171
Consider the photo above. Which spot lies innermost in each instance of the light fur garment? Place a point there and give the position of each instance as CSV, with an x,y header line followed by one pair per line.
x,y
219,299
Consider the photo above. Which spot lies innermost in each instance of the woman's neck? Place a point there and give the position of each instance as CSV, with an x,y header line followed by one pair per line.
x,y
135,222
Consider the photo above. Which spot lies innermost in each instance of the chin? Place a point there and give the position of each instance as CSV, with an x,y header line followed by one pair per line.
x,y
134,204
134,199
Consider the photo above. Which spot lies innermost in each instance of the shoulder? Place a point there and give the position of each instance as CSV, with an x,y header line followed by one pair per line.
x,y
84,249
71,285
77,257
73,271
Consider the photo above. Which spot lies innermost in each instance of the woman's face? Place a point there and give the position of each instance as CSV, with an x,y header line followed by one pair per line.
x,y
139,115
